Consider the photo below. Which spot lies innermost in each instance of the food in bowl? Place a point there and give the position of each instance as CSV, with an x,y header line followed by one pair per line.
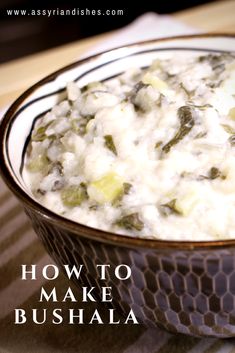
x,y
148,153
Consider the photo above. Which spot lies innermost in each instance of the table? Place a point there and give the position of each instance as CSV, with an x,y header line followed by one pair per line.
x,y
19,74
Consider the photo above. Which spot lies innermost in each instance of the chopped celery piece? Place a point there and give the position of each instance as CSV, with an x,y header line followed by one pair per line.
x,y
74,195
38,164
214,173
130,222
110,144
154,81
231,113
158,144
106,189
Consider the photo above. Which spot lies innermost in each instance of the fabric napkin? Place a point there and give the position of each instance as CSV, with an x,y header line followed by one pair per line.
x,y
19,245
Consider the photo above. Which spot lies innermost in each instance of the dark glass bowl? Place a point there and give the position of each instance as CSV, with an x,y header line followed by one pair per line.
x,y
185,286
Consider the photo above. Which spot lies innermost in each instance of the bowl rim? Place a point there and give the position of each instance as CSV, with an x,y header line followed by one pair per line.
x,y
76,228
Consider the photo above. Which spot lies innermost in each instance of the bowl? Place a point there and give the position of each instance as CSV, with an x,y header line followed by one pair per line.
x,y
184,287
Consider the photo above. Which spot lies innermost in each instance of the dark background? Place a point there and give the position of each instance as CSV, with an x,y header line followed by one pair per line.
x,y
23,35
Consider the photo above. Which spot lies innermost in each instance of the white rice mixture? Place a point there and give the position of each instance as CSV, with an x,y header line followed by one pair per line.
x,y
150,153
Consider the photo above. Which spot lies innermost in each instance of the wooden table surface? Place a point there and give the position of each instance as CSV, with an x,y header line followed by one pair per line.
x,y
17,75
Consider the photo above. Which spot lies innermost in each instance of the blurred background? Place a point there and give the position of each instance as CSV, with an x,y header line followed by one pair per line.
x,y
24,35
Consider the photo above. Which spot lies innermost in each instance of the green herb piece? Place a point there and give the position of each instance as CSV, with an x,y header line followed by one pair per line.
x,y
214,173
69,112
201,135
232,140
84,88
231,113
29,148
39,134
89,117
109,188
125,101
130,222
228,129
74,195
58,185
40,192
215,84
75,125
139,86
186,174
158,144
82,128
169,208
89,86
93,207
38,164
154,81
189,94
133,95
110,144
79,125
185,115
58,167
